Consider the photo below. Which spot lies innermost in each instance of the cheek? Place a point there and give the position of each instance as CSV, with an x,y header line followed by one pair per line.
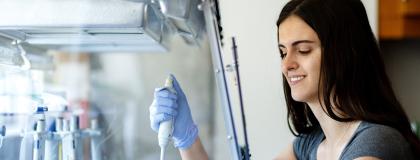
x,y
316,65
315,78
316,70
283,71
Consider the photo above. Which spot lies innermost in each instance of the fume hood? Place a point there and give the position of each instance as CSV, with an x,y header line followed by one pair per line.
x,y
80,43
100,25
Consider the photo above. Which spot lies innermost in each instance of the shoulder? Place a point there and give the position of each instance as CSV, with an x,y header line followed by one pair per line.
x,y
379,141
305,145
377,133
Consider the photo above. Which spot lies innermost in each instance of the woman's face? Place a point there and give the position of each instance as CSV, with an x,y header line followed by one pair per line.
x,y
300,49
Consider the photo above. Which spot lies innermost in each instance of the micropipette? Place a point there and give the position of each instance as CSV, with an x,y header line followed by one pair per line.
x,y
40,134
166,127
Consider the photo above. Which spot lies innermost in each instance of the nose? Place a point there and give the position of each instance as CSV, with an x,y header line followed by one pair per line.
x,y
289,63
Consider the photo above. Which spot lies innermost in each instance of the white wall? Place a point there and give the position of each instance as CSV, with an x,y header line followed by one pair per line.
x,y
371,7
253,24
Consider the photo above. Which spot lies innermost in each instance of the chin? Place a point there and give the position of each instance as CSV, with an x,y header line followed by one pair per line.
x,y
304,96
299,98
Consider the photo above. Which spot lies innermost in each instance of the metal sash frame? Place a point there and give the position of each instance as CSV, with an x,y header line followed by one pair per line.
x,y
208,7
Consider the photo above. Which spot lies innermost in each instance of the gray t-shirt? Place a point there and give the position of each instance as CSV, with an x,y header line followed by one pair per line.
x,y
369,139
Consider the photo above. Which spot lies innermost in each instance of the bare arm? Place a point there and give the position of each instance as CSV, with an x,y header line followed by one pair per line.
x,y
195,152
287,154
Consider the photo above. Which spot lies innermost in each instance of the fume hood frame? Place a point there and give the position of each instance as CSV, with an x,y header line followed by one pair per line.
x,y
85,25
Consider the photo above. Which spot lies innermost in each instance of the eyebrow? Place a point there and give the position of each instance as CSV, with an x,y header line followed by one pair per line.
x,y
297,42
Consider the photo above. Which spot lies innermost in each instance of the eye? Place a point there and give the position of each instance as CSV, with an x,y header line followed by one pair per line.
x,y
283,52
304,50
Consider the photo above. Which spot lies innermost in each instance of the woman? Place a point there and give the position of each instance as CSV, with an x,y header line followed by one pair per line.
x,y
339,98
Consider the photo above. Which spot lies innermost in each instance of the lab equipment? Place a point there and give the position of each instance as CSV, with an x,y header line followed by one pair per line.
x,y
95,134
40,134
72,146
211,15
77,133
51,149
185,16
12,54
102,26
166,127
53,143
246,155
61,142
26,147
2,134
165,107
123,26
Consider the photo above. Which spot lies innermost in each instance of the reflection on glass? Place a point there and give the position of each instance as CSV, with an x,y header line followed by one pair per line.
x,y
122,87
101,101
12,54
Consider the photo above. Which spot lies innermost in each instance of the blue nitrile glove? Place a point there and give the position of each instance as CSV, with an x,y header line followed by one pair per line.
x,y
167,105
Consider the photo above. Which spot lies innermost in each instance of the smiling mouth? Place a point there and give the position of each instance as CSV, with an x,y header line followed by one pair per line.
x,y
296,79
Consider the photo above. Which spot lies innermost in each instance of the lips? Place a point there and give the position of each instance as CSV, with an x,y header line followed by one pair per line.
x,y
295,79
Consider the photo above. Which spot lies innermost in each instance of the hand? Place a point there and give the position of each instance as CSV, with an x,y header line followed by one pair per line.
x,y
167,105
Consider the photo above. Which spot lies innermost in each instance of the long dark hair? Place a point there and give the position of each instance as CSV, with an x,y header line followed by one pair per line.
x,y
352,76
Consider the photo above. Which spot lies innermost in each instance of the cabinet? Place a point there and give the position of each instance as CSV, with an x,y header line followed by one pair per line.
x,y
399,19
